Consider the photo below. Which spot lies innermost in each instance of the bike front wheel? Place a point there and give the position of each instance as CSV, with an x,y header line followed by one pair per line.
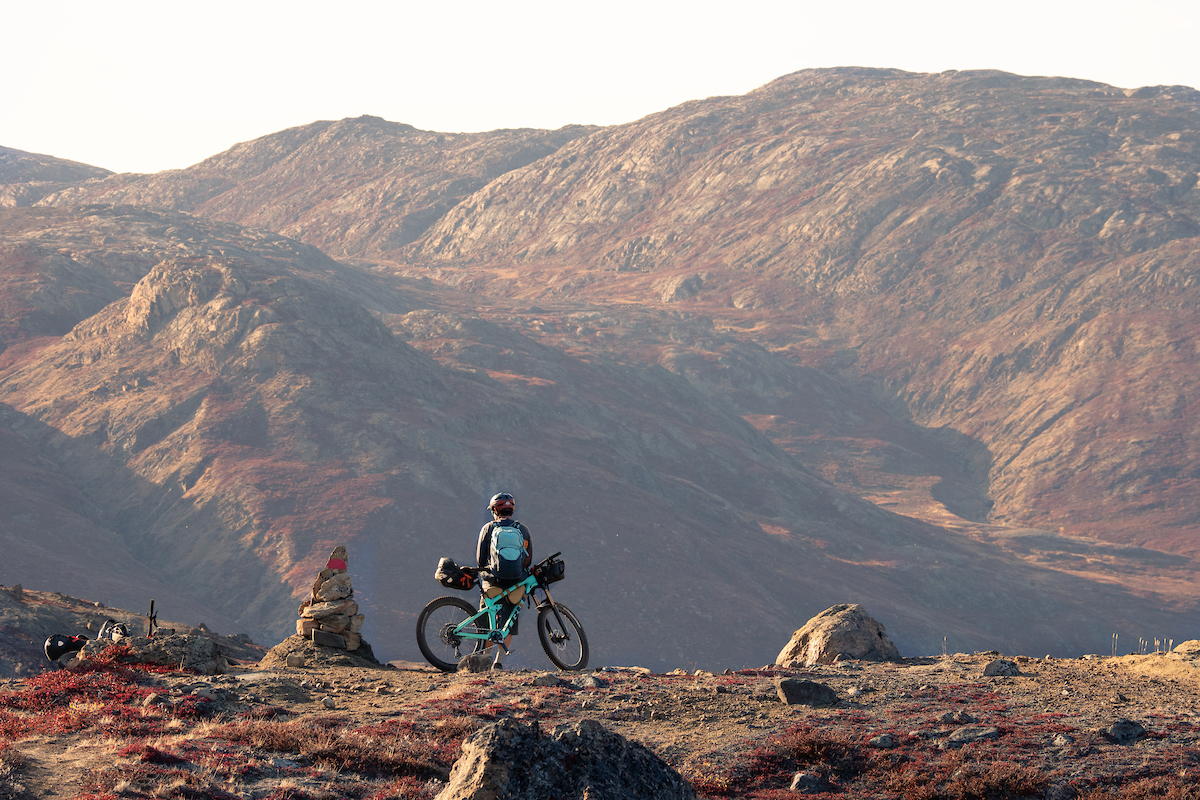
x,y
562,637
435,632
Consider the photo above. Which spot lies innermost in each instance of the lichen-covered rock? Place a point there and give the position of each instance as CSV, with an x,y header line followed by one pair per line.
x,y
337,623
510,760
326,639
843,630
809,782
1188,650
476,662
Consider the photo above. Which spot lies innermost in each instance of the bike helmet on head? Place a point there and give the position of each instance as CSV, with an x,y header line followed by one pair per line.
x,y
503,505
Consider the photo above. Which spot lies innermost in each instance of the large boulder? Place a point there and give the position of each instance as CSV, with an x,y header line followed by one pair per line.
x,y
844,630
510,760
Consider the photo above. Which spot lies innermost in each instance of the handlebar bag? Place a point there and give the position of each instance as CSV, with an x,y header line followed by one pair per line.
x,y
553,572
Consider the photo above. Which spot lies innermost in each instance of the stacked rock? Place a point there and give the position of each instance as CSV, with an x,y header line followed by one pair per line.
x,y
330,616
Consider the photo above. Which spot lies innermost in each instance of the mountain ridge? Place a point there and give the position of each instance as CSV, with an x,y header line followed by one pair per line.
x,y
409,176
938,336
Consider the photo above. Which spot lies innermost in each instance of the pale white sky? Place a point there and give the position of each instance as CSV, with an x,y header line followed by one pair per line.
x,y
145,86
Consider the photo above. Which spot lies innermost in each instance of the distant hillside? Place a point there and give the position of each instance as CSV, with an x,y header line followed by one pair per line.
x,y
26,178
351,187
924,342
17,166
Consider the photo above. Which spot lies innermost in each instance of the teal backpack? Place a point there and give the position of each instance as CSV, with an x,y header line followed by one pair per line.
x,y
508,552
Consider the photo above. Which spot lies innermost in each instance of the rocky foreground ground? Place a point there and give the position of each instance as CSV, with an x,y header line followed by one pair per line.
x,y
341,726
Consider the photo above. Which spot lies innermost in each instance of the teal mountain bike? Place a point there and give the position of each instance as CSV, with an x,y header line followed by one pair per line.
x,y
450,628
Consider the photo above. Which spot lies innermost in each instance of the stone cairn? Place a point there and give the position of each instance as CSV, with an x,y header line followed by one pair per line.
x,y
330,616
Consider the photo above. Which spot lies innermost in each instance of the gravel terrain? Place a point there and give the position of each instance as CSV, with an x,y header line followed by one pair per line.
x,y
1057,726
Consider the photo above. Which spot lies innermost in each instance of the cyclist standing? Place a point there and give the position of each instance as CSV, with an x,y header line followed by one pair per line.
x,y
504,554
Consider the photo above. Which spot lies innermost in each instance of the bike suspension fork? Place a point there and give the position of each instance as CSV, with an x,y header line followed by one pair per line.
x,y
554,608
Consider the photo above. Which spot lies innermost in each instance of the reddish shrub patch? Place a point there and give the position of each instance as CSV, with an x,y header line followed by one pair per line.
x,y
266,712
403,789
851,768
129,722
465,704
388,750
1158,788
55,690
289,793
118,657
151,755
99,694
149,779
192,706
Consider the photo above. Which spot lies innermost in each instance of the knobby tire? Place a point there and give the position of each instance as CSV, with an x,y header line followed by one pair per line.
x,y
434,622
567,649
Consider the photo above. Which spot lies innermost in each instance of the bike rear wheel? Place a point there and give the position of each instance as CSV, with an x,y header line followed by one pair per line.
x,y
564,642
435,636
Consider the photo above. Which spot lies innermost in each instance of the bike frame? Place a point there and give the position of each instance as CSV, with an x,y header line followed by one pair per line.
x,y
491,607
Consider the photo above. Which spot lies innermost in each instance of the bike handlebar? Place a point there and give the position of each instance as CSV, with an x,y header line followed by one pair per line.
x,y
476,571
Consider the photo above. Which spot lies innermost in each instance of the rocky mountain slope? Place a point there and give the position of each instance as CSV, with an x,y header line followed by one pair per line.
x,y
991,253
711,351
240,410
998,253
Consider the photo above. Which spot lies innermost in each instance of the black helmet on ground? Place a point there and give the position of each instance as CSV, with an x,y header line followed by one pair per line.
x,y
59,645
